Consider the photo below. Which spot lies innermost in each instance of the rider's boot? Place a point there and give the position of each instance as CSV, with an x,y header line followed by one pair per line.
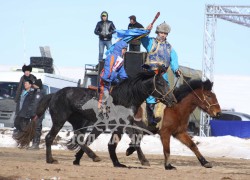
x,y
159,110
101,112
152,120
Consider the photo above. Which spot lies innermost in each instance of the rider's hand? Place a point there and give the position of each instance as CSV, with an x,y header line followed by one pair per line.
x,y
177,73
150,27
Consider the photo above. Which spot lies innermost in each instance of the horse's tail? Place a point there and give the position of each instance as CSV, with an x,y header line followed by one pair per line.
x,y
43,105
23,138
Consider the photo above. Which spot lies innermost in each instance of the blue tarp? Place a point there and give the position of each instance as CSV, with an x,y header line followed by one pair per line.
x,y
234,128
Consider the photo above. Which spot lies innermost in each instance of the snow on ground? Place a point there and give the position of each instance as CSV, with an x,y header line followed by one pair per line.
x,y
224,146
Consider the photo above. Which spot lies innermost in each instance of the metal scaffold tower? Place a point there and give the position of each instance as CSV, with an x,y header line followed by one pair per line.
x,y
235,14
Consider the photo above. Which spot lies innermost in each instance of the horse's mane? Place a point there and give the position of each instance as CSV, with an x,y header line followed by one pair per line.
x,y
182,91
131,90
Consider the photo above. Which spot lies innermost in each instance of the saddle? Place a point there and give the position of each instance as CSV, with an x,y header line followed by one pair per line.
x,y
94,88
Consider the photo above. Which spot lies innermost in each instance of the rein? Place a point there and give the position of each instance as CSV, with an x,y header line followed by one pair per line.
x,y
208,106
163,95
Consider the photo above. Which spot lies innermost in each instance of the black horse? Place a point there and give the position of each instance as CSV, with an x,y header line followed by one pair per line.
x,y
66,105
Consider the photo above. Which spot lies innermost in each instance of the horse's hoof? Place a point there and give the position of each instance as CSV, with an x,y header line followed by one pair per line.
x,y
145,163
130,151
77,163
97,159
169,167
208,165
53,161
120,165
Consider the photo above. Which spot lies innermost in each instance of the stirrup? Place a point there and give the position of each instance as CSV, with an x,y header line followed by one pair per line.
x,y
157,119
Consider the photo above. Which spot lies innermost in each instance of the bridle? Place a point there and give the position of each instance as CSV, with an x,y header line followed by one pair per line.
x,y
163,96
204,100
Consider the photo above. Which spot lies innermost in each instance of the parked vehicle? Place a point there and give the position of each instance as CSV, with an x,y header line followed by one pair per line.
x,y
8,85
233,116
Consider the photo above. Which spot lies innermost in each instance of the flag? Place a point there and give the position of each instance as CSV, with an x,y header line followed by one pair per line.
x,y
127,36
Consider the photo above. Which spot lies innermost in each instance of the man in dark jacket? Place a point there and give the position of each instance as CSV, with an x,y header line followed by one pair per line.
x,y
25,111
37,95
27,76
104,29
134,45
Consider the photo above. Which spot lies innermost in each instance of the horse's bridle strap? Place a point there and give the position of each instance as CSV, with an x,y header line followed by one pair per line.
x,y
204,98
163,95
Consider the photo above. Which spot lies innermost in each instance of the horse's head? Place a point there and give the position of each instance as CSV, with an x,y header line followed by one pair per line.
x,y
198,93
135,90
161,90
207,99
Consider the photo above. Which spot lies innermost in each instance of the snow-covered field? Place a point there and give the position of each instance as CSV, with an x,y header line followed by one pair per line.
x,y
225,146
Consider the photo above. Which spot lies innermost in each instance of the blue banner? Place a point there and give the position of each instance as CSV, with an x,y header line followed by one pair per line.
x,y
234,128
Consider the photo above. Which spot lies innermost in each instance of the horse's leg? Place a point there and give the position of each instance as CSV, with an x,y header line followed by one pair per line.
x,y
49,140
142,157
84,148
80,141
165,139
135,146
185,139
115,138
80,128
138,121
136,137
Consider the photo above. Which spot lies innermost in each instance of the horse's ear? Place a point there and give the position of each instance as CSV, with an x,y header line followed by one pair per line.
x,y
207,85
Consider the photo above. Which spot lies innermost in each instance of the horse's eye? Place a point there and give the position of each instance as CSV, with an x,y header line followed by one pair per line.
x,y
208,95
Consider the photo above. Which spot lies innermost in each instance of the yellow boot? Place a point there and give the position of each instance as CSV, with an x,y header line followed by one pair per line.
x,y
159,110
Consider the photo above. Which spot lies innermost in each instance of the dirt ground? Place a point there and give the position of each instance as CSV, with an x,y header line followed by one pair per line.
x,y
23,164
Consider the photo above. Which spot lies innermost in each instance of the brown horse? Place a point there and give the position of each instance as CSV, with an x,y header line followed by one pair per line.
x,y
190,95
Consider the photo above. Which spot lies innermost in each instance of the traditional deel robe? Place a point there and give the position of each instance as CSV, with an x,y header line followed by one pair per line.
x,y
113,71
160,52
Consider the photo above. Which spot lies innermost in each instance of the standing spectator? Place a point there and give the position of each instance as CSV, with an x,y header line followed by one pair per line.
x,y
25,111
27,76
134,45
104,29
38,94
